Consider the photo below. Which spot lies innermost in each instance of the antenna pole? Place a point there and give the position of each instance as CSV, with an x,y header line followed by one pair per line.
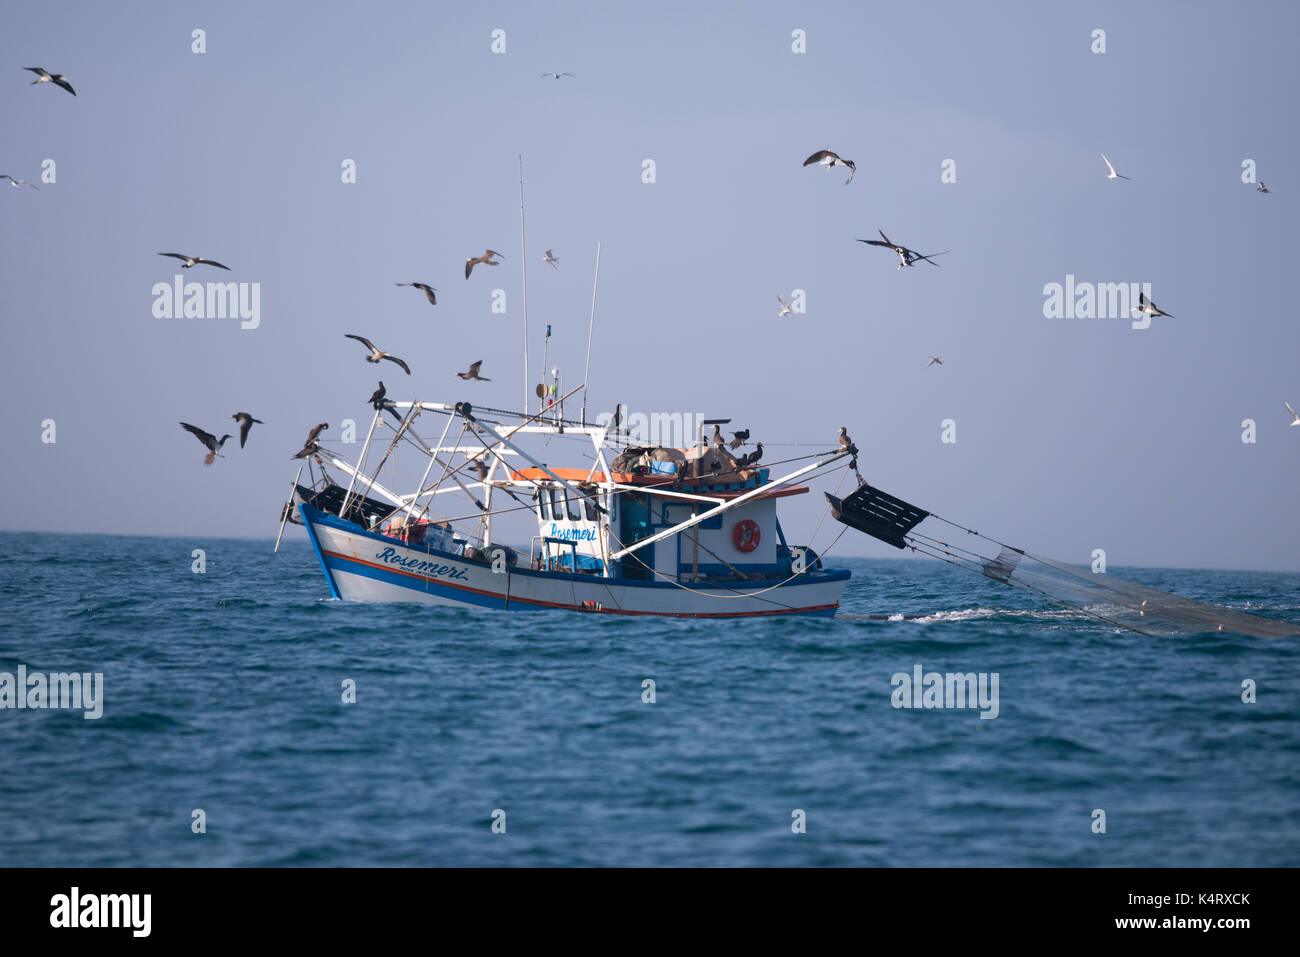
x,y
590,325
524,264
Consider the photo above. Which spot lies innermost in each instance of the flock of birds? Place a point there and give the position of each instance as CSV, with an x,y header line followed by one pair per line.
x,y
826,158
374,355
910,257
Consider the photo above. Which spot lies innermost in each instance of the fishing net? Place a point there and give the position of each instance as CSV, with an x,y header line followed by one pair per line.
x,y
1103,597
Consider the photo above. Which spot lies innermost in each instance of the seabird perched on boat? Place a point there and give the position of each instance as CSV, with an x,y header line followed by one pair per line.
x,y
427,289
380,404
785,307
472,374
718,438
556,75
195,261
752,458
15,183
245,425
210,441
550,258
934,360
828,159
740,438
1295,416
486,259
1146,307
58,79
906,257
845,441
1261,188
310,445
1112,174
375,354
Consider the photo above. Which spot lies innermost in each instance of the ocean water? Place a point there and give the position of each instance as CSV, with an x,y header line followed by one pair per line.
x,y
222,692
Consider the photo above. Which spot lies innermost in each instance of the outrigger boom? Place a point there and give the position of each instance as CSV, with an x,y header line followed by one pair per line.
x,y
657,530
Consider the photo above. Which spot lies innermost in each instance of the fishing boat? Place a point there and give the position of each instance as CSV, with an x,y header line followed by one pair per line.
x,y
632,530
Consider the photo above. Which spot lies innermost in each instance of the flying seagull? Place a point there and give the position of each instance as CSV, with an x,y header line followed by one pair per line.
x,y
194,261
845,441
1295,416
1112,174
740,438
549,258
906,257
426,289
58,79
1261,188
473,373
310,445
828,159
15,183
785,307
245,425
209,441
934,360
1149,308
375,354
556,75
486,258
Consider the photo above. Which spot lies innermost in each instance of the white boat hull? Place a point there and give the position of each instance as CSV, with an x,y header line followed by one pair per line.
x,y
364,566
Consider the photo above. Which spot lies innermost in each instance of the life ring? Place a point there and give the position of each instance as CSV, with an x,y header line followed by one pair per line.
x,y
746,535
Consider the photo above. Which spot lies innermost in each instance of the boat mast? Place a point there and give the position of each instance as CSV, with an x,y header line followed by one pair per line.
x,y
523,260
586,371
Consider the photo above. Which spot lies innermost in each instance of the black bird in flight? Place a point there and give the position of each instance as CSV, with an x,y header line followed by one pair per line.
x,y
375,354
245,425
486,259
472,374
428,291
906,257
210,441
195,261
828,159
58,79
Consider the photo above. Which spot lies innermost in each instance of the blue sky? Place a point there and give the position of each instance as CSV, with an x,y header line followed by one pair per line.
x,y
1071,434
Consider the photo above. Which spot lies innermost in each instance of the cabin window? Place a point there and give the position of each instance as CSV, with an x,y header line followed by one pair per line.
x,y
589,507
575,510
543,509
557,504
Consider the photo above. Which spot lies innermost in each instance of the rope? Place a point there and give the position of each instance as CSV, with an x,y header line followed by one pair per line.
x,y
755,594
